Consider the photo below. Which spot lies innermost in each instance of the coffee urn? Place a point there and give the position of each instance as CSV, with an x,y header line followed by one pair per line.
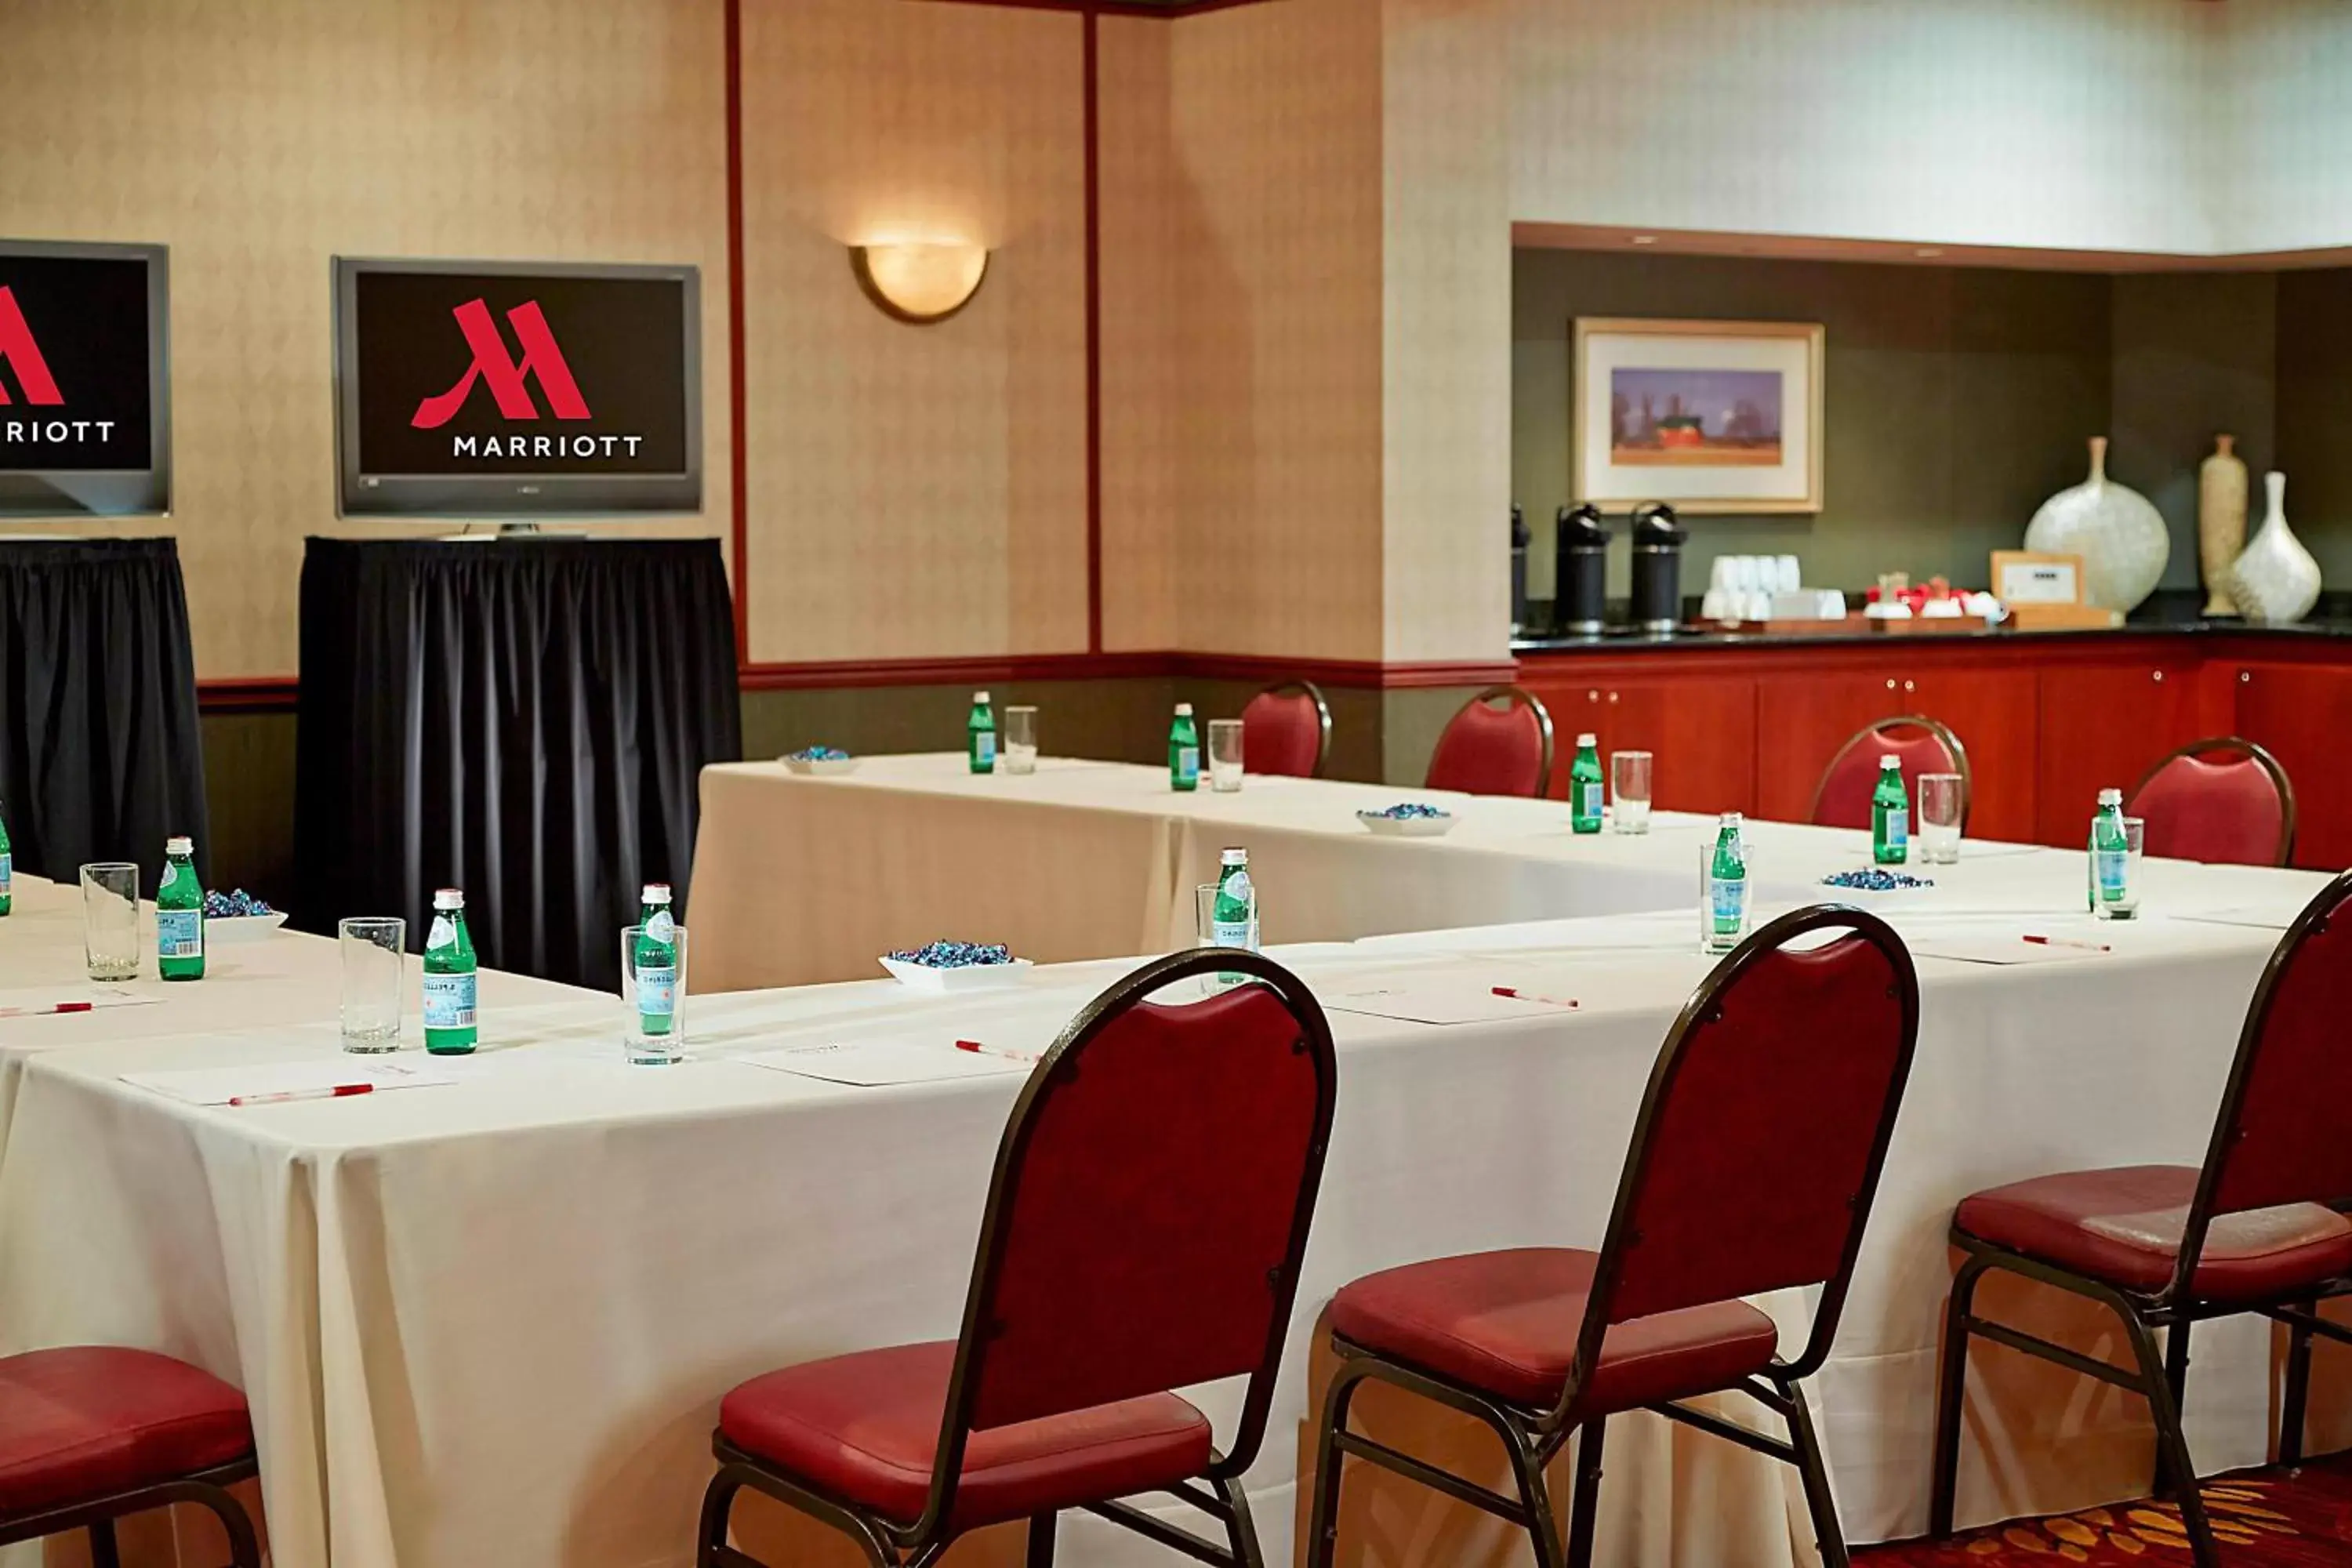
x,y
1519,537
1658,538
1581,571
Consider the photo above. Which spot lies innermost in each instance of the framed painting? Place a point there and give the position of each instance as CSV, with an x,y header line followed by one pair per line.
x,y
1711,416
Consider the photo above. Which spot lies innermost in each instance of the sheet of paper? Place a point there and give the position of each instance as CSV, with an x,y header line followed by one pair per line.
x,y
879,1060
33,1001
1442,999
218,1086
2261,919
2000,947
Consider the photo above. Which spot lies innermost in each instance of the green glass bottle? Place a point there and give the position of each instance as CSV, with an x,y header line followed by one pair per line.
x,y
1233,919
2110,855
1584,786
1183,751
980,735
1890,814
449,984
179,914
656,961
1726,886
7,870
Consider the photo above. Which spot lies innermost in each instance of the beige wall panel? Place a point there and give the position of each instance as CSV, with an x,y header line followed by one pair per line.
x,y
914,491
1275,113
258,138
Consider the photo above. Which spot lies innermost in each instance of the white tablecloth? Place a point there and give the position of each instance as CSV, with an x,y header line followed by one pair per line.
x,y
491,1322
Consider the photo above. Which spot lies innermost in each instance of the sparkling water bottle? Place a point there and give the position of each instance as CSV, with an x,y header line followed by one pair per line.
x,y
1584,786
1890,814
1233,920
179,914
449,988
7,870
1183,751
656,961
980,734
2110,855
1726,886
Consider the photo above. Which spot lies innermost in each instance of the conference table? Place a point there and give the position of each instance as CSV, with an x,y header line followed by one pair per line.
x,y
490,1320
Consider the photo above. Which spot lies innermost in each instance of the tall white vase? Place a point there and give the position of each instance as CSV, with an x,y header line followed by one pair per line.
x,y
2276,580
2120,534
2221,522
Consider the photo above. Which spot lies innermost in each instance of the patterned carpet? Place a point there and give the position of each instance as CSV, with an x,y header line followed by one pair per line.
x,y
2266,1519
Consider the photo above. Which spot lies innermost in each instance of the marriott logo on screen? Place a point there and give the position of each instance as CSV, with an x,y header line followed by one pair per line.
x,y
541,358
22,355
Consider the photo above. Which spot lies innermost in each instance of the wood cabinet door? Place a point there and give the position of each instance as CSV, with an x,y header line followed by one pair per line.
x,y
2303,714
1800,722
1700,730
1576,706
2100,726
1994,713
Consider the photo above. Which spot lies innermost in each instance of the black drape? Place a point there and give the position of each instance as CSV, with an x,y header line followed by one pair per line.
x,y
100,758
527,719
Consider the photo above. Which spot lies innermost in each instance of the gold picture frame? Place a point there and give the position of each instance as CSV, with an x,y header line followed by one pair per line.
x,y
1625,449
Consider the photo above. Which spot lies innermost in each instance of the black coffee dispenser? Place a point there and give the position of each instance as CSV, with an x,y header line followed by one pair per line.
x,y
1581,571
1519,537
1658,538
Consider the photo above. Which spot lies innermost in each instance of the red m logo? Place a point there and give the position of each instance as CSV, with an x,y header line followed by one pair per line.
x,y
22,354
540,357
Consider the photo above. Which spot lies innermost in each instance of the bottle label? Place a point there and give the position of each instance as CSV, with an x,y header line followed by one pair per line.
x,y
170,875
661,928
983,748
2112,868
1898,826
449,1000
1726,903
656,991
1236,887
1588,798
1188,764
7,872
1234,934
179,933
443,933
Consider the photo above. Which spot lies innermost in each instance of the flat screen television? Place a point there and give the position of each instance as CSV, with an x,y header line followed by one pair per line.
x,y
514,390
85,379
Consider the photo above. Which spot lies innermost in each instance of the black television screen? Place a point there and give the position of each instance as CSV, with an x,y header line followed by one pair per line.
x,y
489,389
85,408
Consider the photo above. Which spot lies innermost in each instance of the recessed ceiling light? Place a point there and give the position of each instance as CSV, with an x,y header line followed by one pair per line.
x,y
1645,239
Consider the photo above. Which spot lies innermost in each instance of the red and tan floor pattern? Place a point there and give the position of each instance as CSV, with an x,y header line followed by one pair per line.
x,y
2269,1519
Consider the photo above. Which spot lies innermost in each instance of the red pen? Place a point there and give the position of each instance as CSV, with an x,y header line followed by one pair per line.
x,y
39,1012
2069,941
338,1091
976,1048
1516,995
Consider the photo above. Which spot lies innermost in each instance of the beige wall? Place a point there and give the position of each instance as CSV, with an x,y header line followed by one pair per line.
x,y
258,138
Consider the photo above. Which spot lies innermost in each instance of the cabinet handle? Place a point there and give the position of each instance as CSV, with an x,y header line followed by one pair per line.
x,y
1890,683
2159,675
1613,697
1592,697
1906,686
2244,676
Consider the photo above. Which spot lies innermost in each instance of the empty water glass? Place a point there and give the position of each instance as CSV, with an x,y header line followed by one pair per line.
x,y
1020,740
1224,755
1204,917
370,947
2135,846
653,995
1629,791
1937,838
109,918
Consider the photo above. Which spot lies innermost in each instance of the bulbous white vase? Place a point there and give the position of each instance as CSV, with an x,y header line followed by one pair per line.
x,y
2120,536
2276,580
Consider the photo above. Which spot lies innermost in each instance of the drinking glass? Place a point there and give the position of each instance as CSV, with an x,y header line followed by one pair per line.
x,y
1020,740
1629,791
109,918
1204,917
371,946
2135,846
654,998
1224,755
1938,838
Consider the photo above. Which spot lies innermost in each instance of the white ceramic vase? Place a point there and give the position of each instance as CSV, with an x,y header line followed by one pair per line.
x,y
2276,580
2120,534
2221,522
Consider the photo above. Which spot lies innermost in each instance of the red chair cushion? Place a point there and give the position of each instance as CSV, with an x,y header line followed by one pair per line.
x,y
2222,813
866,1427
1282,732
1506,1323
2123,1226
1489,751
1844,798
85,1422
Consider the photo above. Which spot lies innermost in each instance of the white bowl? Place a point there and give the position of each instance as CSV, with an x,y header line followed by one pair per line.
x,y
962,977
820,767
1407,826
241,928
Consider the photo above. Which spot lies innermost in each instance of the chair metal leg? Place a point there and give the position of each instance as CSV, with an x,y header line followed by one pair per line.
x,y
1041,1541
717,1502
2176,1378
103,1554
1323,1531
244,1546
1829,1537
2172,1446
1951,1392
2298,1391
1584,1503
1241,1531
1535,1496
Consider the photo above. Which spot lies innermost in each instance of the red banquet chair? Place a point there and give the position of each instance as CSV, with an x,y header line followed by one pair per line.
x,y
1491,750
89,1434
1752,1167
1286,730
2255,1229
2238,810
1923,746
1143,1233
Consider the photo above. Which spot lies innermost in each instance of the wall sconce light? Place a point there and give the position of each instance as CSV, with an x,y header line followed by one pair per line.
x,y
920,281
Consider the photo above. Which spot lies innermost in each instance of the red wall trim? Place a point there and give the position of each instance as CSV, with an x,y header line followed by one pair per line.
x,y
739,465
1089,95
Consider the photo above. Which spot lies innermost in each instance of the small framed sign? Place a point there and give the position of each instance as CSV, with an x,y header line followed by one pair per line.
x,y
2036,578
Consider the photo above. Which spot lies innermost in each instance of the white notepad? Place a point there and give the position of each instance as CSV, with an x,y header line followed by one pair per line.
x,y
1450,999
218,1086
1998,947
37,1001
884,1059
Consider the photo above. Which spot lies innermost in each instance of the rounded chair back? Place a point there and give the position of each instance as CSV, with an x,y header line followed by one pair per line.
x,y
1923,746
2223,800
1499,744
1287,730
